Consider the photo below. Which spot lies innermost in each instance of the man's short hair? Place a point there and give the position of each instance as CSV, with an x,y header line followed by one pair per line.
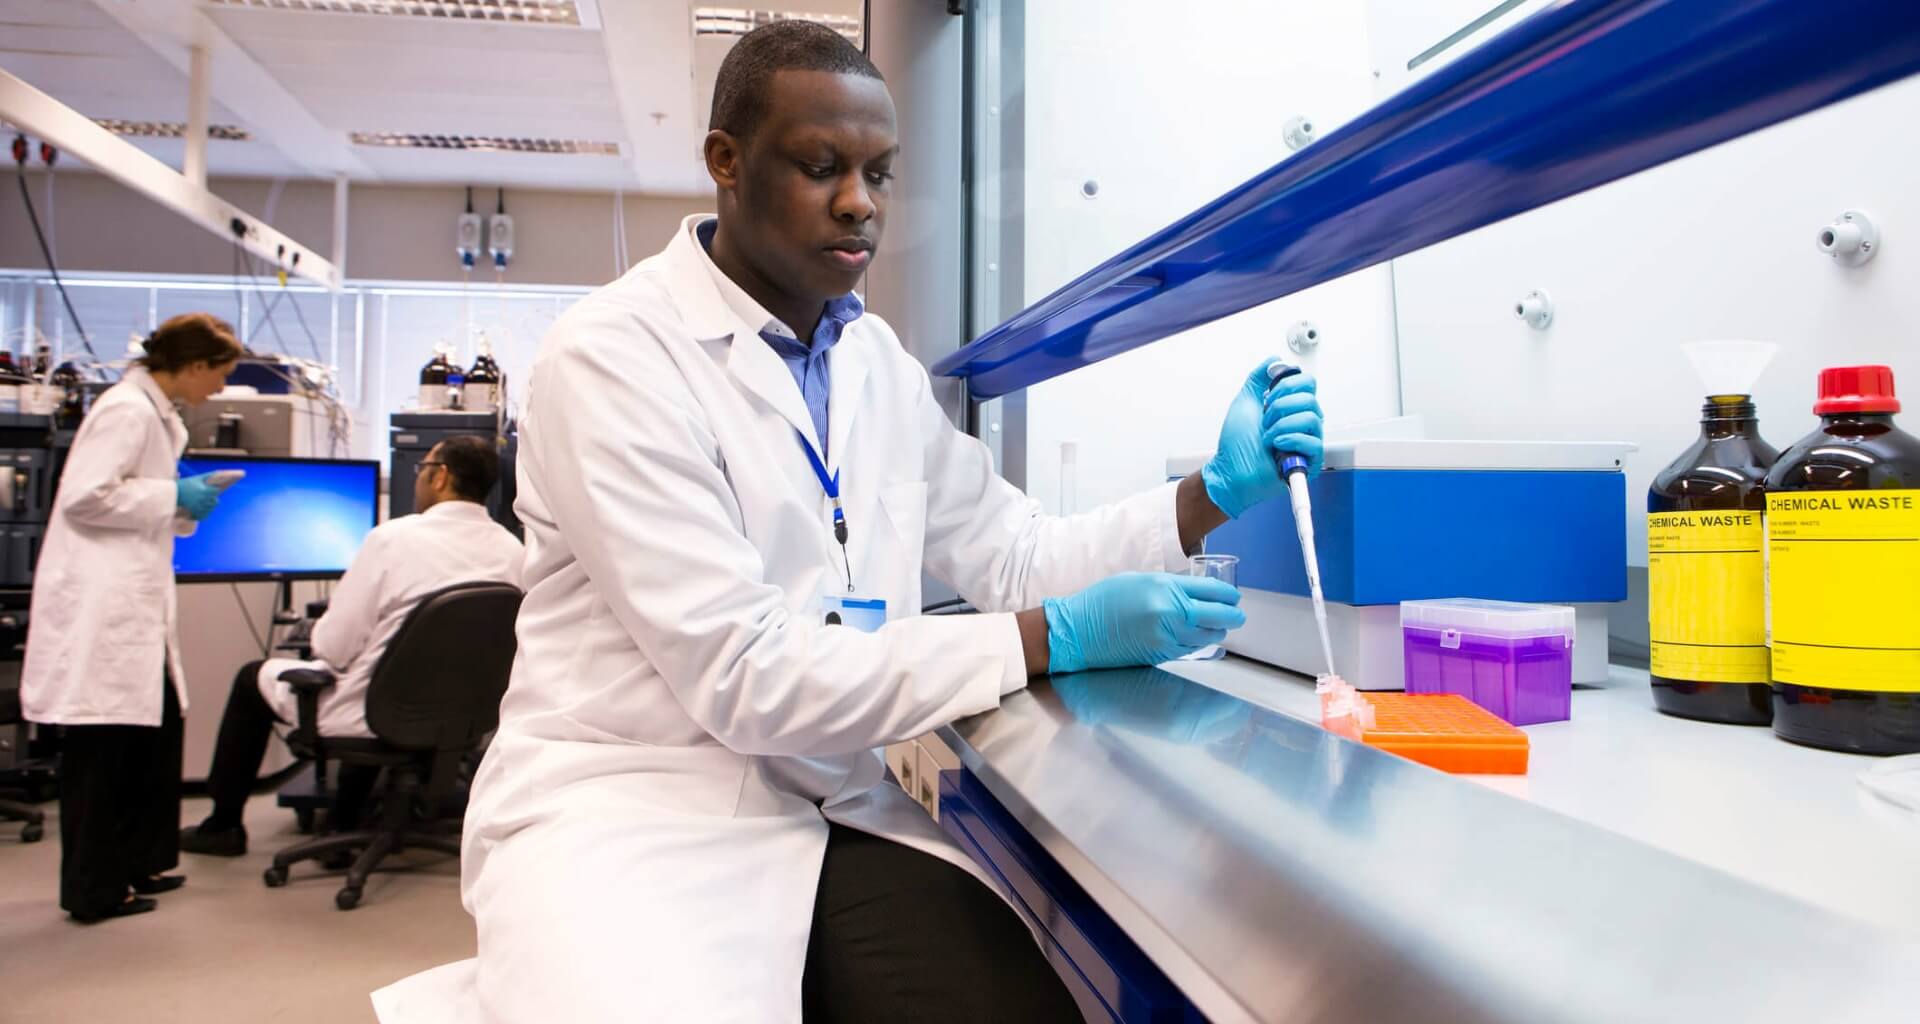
x,y
746,75
473,463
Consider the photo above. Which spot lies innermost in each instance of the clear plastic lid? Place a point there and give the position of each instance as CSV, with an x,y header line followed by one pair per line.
x,y
1488,618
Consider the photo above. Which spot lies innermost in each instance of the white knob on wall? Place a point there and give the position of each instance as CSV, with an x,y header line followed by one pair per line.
x,y
1536,309
1298,131
1851,239
1303,337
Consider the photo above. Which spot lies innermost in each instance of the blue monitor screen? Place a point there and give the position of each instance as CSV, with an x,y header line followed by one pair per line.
x,y
288,518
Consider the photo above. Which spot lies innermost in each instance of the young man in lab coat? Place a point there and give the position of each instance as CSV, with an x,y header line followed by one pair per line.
x,y
451,539
684,816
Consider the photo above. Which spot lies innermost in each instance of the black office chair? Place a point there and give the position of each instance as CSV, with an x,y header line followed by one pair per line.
x,y
12,810
435,694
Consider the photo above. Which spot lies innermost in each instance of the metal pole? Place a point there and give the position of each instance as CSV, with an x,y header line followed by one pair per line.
x,y
199,100
340,226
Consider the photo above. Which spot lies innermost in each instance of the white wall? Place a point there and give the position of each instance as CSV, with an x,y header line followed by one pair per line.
x,y
1167,106
1717,245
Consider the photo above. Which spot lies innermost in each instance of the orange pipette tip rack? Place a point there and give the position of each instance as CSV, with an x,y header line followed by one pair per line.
x,y
1446,731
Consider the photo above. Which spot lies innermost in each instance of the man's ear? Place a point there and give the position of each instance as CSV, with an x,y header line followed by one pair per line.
x,y
722,152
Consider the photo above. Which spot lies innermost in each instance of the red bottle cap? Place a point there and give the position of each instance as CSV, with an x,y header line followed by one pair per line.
x,y
1846,389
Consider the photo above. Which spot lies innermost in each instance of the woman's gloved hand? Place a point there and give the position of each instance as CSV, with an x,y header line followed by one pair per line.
x,y
1139,618
1267,419
197,495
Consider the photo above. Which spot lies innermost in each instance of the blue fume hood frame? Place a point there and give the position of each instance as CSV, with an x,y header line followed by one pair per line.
x,y
1580,94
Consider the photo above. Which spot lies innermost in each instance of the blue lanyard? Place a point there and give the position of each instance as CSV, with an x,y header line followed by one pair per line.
x,y
831,485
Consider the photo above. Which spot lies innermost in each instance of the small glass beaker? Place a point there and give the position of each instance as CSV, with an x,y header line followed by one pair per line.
x,y
1220,567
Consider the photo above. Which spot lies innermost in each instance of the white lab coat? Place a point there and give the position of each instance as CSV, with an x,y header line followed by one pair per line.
x,y
645,835
400,562
103,621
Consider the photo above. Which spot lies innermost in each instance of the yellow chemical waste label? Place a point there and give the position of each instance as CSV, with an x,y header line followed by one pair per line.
x,y
1706,596
1843,589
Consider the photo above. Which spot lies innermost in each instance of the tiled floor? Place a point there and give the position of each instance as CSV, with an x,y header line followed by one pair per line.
x,y
225,948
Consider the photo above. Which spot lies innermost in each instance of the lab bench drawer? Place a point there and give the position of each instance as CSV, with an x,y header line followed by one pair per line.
x,y
1094,956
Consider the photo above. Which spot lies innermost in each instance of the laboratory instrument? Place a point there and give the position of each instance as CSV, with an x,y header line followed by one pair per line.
x,y
1843,572
1511,658
1215,567
226,478
413,434
294,519
1706,560
285,425
1293,469
1406,518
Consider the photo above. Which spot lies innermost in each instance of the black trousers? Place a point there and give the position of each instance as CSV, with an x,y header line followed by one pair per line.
x,y
246,727
903,935
119,807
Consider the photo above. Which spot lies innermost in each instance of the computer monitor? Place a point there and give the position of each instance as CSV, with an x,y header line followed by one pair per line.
x,y
288,519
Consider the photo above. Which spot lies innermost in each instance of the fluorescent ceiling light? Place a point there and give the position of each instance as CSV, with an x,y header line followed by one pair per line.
x,y
485,143
537,12
738,21
170,129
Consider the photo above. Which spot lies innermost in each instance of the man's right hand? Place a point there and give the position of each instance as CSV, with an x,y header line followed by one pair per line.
x,y
1138,619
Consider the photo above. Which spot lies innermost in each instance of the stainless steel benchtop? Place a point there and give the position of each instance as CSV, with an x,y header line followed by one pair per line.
x,y
1279,873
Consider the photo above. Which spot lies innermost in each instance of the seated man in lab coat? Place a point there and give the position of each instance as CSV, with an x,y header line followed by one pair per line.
x,y
731,479
451,539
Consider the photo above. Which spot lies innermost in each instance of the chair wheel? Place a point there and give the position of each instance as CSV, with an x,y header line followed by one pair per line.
x,y
275,877
33,833
347,899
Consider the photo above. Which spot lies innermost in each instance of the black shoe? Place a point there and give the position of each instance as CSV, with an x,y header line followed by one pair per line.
x,y
128,908
214,842
156,884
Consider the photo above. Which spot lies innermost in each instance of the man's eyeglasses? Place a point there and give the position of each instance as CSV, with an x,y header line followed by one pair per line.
x,y
423,464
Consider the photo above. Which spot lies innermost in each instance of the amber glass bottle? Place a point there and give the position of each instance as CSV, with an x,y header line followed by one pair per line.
x,y
1843,569
1706,571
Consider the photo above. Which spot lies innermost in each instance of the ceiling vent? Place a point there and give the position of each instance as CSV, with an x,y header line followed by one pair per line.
x,y
170,130
525,12
486,144
738,21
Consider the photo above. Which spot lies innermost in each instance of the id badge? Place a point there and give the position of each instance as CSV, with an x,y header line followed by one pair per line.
x,y
866,614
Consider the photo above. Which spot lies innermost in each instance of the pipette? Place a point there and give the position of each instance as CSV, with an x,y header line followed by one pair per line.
x,y
1293,468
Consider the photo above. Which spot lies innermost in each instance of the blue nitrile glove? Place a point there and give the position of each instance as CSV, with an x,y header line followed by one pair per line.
x,y
197,495
1266,420
1138,618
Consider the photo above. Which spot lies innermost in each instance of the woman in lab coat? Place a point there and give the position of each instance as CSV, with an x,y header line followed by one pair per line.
x,y
102,655
683,816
